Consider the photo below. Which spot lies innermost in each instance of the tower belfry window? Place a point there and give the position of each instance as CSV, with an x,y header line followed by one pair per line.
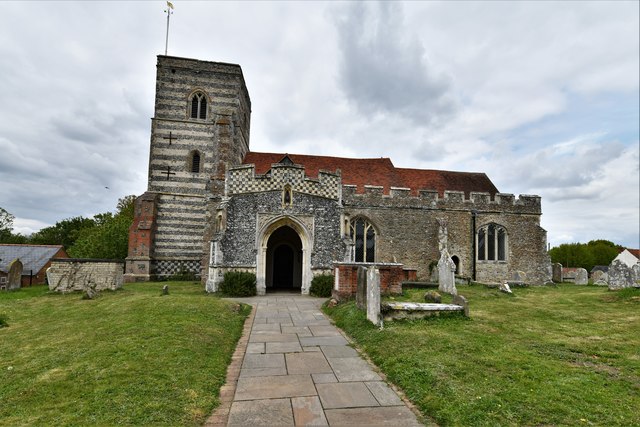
x,y
198,106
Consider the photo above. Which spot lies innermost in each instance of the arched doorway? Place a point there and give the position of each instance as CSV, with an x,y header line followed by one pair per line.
x,y
284,260
301,244
456,261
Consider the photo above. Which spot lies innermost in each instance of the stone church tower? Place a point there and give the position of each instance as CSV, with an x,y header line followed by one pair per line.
x,y
200,129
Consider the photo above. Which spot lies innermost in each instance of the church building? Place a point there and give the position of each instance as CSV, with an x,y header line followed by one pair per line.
x,y
214,206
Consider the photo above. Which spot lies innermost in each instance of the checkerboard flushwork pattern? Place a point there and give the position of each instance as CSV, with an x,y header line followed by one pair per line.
x,y
171,267
243,180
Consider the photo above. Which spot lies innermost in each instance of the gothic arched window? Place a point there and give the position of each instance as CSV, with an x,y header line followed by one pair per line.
x,y
491,243
364,239
198,106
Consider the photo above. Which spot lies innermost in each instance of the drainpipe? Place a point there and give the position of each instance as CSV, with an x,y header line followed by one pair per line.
x,y
474,214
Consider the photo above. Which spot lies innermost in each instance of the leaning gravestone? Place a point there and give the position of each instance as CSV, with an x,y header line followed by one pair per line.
x,y
557,272
15,275
446,274
582,277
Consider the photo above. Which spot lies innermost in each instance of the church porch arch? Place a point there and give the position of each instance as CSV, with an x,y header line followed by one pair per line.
x,y
287,241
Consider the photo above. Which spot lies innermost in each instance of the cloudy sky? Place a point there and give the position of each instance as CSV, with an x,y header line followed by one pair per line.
x,y
542,96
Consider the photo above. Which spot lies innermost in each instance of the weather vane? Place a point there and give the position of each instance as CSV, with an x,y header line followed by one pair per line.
x,y
169,13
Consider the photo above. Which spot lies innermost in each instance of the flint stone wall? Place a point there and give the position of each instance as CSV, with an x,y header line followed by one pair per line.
x,y
238,240
73,274
407,230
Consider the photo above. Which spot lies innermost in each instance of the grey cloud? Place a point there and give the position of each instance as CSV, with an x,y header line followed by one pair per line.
x,y
559,175
384,68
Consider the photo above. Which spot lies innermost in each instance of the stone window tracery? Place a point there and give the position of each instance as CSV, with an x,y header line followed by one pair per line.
x,y
363,235
198,106
491,243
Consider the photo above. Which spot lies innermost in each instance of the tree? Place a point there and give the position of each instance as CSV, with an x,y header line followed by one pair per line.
x,y
585,255
126,205
603,251
110,237
6,225
64,233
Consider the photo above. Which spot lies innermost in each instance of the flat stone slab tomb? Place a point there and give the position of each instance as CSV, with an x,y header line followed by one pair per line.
x,y
414,310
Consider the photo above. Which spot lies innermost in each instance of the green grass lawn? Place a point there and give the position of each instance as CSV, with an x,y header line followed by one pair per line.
x,y
567,355
127,357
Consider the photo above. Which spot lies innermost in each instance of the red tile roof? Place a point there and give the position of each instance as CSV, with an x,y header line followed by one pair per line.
x,y
380,172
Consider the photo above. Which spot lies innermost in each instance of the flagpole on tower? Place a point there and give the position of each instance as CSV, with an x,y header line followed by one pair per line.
x,y
169,12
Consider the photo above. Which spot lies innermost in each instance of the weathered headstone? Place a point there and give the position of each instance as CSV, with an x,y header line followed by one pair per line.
x,y
600,278
582,277
603,280
361,289
557,272
373,295
446,274
14,281
623,276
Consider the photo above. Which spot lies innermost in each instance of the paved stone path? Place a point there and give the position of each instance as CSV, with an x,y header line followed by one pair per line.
x,y
293,367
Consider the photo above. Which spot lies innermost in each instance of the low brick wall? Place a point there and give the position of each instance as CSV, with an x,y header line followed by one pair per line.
x,y
73,274
346,278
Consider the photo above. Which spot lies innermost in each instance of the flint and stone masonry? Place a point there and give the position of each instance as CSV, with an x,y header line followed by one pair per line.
x,y
76,274
212,206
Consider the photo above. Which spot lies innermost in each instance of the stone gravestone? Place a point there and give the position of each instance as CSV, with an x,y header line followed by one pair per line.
x,y
373,296
622,275
600,278
15,275
557,272
446,274
361,289
582,277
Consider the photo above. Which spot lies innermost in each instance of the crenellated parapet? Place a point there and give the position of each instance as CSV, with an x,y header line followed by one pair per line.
x,y
243,180
373,196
